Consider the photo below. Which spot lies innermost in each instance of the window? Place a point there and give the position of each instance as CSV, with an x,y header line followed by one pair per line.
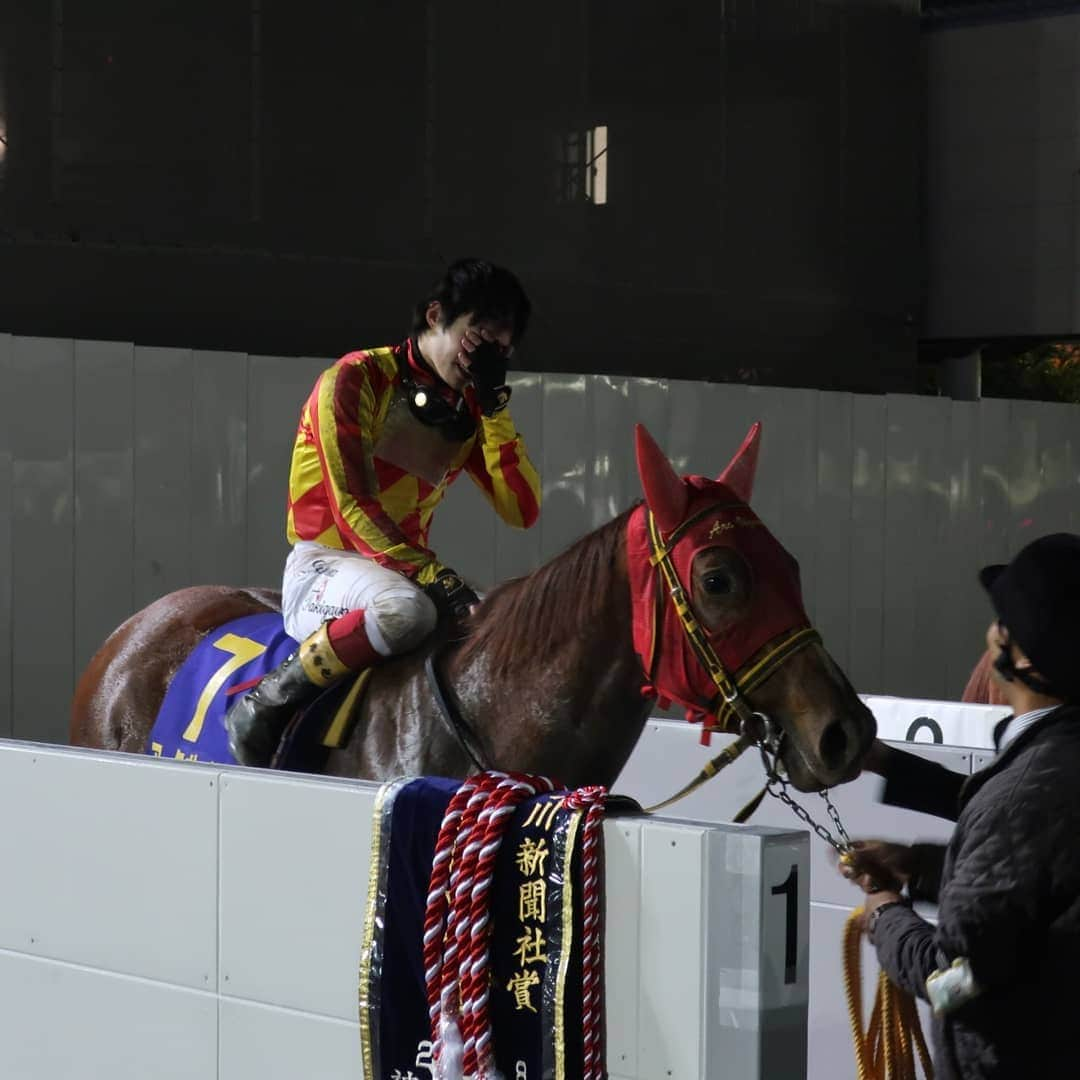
x,y
582,166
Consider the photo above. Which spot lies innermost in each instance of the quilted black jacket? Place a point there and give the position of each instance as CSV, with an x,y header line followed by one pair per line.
x,y
1009,902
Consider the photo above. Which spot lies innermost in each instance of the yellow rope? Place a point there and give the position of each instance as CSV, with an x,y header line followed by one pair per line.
x,y
887,1047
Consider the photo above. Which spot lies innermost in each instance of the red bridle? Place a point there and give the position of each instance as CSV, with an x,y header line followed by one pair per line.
x,y
711,674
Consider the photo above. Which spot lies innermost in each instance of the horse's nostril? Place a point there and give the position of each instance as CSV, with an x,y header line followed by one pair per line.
x,y
833,746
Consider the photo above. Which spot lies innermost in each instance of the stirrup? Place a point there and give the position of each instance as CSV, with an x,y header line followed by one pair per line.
x,y
256,721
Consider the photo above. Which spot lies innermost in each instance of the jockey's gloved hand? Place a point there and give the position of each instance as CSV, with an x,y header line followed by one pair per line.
x,y
451,595
487,365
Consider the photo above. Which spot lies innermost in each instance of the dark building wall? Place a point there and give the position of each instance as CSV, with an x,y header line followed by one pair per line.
x,y
1003,122
257,175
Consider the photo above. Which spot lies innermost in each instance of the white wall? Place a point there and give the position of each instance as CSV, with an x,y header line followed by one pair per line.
x,y
193,922
126,472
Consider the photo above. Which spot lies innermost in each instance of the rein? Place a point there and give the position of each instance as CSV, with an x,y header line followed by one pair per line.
x,y
452,719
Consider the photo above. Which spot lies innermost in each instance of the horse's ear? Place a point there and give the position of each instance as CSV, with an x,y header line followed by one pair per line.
x,y
665,493
739,475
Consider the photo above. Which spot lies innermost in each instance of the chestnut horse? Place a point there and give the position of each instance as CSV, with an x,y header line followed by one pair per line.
x,y
982,688
546,673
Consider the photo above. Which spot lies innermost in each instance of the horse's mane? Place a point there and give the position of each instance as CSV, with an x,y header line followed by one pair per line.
x,y
533,616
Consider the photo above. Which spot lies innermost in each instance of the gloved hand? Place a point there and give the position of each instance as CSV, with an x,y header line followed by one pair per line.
x,y
451,595
488,369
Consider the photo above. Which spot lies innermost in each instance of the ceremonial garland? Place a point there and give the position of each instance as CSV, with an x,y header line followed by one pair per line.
x,y
457,925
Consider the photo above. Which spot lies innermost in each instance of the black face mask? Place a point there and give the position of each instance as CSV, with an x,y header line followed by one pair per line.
x,y
1003,664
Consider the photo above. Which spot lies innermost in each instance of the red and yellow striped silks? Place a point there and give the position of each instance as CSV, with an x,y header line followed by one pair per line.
x,y
344,496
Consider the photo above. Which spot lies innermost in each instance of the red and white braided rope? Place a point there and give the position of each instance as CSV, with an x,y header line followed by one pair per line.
x,y
457,920
446,922
436,911
591,800
464,846
475,983
457,957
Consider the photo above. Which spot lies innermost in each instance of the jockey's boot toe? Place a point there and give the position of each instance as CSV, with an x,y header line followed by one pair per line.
x,y
256,721
255,729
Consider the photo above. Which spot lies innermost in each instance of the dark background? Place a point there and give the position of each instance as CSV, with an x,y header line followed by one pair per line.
x,y
288,178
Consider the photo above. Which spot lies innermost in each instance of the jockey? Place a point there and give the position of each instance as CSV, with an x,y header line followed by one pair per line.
x,y
382,436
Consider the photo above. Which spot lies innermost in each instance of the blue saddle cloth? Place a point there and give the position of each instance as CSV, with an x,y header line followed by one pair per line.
x,y
190,724
536,937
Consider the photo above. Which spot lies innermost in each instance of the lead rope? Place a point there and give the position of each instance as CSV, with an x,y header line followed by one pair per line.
x,y
887,1047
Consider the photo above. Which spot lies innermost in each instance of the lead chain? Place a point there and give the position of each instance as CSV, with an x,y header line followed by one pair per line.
x,y
776,785
777,788
835,815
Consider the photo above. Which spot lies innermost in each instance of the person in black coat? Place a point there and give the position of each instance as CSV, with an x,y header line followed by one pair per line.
x,y
1002,966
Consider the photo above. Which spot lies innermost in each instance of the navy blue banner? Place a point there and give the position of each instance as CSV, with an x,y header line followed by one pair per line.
x,y
535,1000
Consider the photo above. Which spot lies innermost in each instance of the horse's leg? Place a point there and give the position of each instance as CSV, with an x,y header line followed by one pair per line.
x,y
118,695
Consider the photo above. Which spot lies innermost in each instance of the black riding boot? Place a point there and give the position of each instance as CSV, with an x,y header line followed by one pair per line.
x,y
256,721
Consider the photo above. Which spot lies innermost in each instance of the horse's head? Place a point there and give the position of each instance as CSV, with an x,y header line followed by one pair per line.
x,y
742,639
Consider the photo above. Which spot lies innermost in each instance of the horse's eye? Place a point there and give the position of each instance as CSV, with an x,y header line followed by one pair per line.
x,y
718,583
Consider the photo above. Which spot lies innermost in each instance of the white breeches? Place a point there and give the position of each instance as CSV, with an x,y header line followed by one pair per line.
x,y
322,583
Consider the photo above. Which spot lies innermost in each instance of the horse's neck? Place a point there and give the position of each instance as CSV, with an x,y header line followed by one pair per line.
x,y
575,713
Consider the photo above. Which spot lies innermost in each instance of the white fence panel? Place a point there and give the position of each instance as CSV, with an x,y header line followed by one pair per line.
x,y
164,467
110,865
61,1022
294,880
168,920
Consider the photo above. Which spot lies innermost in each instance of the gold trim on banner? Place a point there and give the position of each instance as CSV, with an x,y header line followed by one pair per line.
x,y
565,945
363,994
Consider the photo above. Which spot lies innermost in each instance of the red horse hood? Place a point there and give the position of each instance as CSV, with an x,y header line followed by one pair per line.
x,y
694,513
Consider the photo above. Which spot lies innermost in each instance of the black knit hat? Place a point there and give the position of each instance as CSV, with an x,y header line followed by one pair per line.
x,y
1037,597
